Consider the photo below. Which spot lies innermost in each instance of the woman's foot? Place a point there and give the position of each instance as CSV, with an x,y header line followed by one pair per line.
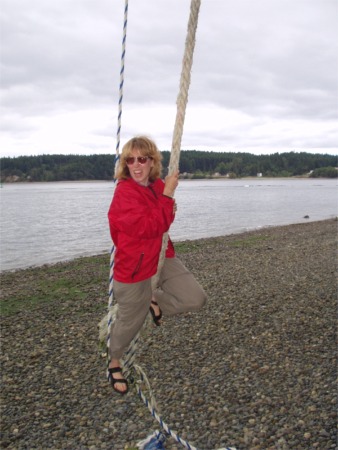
x,y
156,312
118,382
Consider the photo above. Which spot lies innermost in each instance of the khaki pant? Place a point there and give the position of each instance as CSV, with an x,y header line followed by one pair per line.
x,y
178,292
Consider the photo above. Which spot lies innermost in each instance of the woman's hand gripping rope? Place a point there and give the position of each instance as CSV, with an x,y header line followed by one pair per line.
x,y
171,182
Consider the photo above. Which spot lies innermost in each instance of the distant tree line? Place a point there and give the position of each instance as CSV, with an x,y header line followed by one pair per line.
x,y
193,164
57,168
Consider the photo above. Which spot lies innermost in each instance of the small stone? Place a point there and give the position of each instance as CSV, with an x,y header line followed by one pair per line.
x,y
324,433
213,423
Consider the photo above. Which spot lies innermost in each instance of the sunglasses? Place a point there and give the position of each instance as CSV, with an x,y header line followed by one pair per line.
x,y
140,159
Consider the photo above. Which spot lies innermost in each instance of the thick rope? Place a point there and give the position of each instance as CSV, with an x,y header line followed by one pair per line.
x,y
182,98
181,103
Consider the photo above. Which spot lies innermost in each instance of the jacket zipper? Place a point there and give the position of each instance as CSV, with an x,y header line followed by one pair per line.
x,y
137,268
152,190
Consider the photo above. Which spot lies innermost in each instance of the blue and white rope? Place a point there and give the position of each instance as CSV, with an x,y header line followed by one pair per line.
x,y
124,38
111,308
152,408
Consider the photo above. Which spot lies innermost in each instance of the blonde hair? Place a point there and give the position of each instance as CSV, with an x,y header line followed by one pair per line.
x,y
146,147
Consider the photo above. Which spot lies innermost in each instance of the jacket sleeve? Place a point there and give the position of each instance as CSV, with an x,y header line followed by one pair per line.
x,y
132,214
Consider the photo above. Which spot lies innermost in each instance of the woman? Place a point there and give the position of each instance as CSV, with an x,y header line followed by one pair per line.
x,y
141,211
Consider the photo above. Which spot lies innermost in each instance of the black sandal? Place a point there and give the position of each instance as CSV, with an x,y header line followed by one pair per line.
x,y
117,380
156,318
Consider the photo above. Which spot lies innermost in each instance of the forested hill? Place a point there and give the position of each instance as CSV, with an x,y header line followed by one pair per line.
x,y
196,164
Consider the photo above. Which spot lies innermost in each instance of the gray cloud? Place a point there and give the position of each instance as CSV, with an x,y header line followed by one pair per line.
x,y
265,65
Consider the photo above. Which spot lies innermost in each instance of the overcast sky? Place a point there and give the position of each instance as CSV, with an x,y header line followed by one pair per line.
x,y
264,79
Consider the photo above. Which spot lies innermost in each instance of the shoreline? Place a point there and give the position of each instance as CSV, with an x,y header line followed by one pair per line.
x,y
182,178
255,369
176,244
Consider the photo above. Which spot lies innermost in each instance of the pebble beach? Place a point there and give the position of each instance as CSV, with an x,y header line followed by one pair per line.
x,y
255,369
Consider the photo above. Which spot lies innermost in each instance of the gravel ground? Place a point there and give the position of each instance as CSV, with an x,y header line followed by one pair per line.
x,y
255,369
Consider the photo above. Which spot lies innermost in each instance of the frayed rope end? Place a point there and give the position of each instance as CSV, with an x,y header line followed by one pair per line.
x,y
153,442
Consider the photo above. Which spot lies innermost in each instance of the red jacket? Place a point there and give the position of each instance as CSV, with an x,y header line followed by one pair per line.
x,y
138,218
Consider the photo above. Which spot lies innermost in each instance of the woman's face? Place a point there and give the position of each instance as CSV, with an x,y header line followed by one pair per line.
x,y
140,172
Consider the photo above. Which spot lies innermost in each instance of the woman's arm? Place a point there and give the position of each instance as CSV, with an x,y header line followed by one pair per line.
x,y
131,213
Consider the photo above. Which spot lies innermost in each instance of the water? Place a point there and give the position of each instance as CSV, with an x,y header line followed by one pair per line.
x,y
50,222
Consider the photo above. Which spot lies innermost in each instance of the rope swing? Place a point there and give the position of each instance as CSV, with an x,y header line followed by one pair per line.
x,y
131,370
119,116
181,104
182,98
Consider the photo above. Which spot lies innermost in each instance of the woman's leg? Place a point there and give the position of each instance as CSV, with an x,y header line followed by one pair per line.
x,y
133,306
178,291
133,301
